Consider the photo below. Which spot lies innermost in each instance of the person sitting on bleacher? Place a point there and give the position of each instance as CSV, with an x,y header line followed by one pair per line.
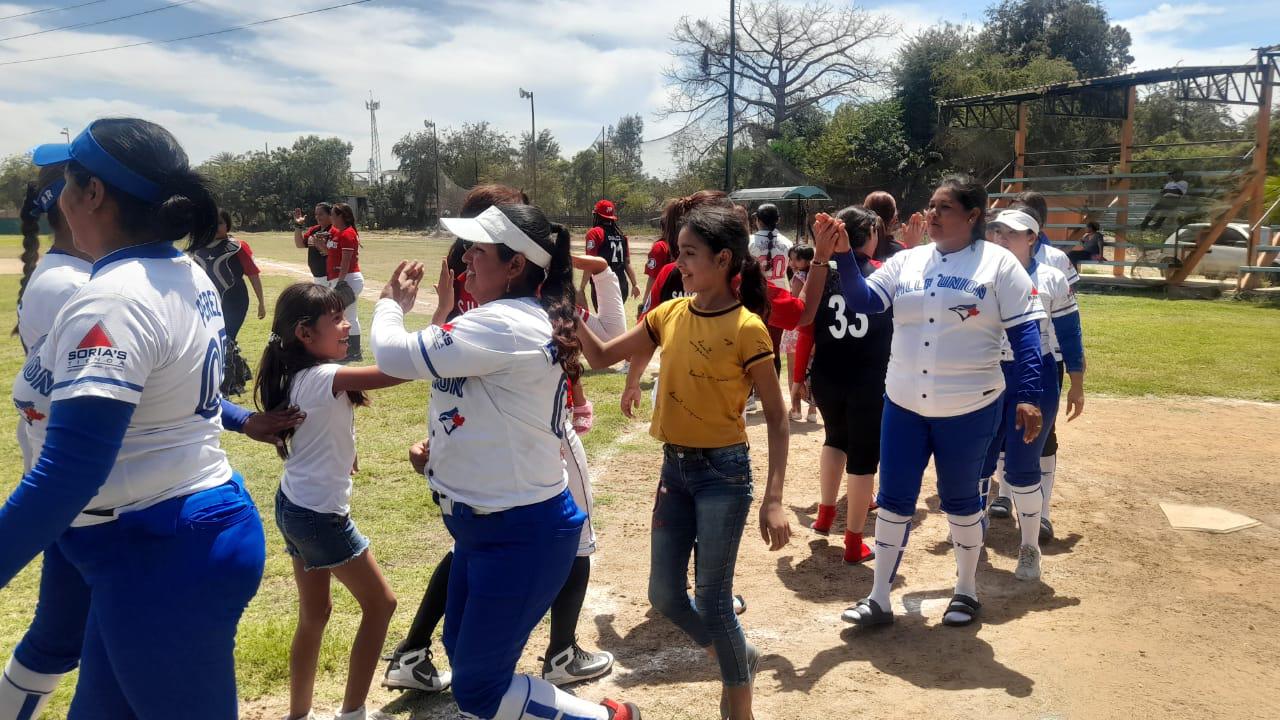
x,y
1091,246
1170,197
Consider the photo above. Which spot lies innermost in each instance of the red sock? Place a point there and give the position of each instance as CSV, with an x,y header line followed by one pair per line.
x,y
826,516
855,551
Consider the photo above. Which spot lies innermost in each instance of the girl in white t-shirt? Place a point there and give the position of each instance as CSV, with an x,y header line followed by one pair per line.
x,y
770,248
300,366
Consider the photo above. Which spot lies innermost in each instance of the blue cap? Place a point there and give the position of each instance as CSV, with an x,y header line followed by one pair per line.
x,y
48,197
86,151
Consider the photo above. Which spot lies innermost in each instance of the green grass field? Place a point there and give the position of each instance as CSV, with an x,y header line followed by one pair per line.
x,y
1136,346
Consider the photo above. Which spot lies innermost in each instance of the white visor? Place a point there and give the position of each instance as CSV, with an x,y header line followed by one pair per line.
x,y
492,227
1017,220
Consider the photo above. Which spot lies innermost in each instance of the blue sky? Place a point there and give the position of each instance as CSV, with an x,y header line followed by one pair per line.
x,y
588,62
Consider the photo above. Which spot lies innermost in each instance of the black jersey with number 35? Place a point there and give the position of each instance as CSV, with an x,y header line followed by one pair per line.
x,y
850,348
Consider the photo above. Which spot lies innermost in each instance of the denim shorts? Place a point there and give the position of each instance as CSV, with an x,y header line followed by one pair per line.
x,y
319,540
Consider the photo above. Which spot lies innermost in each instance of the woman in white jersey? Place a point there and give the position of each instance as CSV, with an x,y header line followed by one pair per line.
x,y
497,420
160,528
1021,486
565,661
953,302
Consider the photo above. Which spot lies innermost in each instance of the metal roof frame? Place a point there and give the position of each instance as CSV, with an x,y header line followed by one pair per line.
x,y
797,192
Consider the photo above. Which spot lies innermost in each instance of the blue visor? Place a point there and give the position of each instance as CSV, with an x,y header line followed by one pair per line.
x,y
48,197
86,151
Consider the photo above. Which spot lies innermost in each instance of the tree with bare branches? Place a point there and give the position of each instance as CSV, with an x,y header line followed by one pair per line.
x,y
789,59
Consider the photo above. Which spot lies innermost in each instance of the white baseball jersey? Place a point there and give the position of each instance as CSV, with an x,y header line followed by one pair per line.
x,y
147,330
1047,254
771,252
58,275
1058,300
498,410
950,313
317,475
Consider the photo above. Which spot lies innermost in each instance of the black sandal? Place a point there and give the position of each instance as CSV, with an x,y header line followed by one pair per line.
x,y
964,605
867,613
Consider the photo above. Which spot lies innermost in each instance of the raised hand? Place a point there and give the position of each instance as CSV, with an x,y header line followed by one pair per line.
x,y
913,230
404,283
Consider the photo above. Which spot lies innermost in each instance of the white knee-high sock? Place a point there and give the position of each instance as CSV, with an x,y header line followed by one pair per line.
x,y
1048,468
966,538
892,531
24,693
531,698
1028,501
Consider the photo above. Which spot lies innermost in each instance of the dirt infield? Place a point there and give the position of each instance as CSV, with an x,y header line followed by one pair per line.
x,y
1132,620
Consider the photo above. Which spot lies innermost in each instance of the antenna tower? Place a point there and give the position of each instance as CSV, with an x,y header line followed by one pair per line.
x,y
375,156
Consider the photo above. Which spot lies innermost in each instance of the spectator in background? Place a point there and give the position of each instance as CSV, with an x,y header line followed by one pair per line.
x,y
1175,188
1091,246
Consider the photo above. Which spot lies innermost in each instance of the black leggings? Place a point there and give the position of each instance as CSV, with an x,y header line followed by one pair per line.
x,y
565,609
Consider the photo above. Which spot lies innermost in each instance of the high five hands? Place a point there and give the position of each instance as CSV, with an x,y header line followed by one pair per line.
x,y
829,237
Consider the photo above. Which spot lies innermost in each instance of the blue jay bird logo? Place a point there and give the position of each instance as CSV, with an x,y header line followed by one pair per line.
x,y
451,420
965,311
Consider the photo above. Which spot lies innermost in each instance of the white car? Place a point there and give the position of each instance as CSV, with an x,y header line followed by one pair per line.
x,y
1223,260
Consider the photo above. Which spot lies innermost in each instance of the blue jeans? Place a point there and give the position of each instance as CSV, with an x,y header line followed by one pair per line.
x,y
958,446
167,587
1021,459
702,502
507,569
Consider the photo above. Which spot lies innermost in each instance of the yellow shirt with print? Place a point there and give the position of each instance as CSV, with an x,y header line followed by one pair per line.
x,y
703,382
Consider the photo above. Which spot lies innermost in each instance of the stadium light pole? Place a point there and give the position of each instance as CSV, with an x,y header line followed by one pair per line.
x,y
733,52
533,142
435,144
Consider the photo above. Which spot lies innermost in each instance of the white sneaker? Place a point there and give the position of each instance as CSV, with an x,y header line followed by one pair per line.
x,y
361,713
413,670
625,367
573,664
1028,563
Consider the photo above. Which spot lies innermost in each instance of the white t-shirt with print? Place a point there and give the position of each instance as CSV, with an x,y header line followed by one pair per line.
x,y
56,278
317,475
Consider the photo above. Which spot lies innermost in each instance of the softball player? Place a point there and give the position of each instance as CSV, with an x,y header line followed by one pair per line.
x,y
850,360
497,421
161,530
343,265
953,301
315,239
565,661
1035,204
1017,231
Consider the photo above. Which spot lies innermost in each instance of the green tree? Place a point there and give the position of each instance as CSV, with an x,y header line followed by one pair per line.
x,y
418,155
15,172
550,186
627,139
864,146
1078,31
918,80
478,154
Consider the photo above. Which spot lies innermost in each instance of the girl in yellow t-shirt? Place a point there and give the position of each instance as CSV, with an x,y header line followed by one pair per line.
x,y
715,346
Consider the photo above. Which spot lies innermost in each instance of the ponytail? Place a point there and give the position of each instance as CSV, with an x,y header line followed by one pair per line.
x,y
147,149
30,215
753,290
721,229
552,287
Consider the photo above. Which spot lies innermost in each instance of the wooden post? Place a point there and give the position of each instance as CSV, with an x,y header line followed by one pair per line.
x,y
1122,168
1258,183
1210,236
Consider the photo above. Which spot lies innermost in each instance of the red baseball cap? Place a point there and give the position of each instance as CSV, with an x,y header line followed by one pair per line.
x,y
605,209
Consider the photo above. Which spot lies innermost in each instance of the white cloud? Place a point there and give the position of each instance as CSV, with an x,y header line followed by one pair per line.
x,y
1164,37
